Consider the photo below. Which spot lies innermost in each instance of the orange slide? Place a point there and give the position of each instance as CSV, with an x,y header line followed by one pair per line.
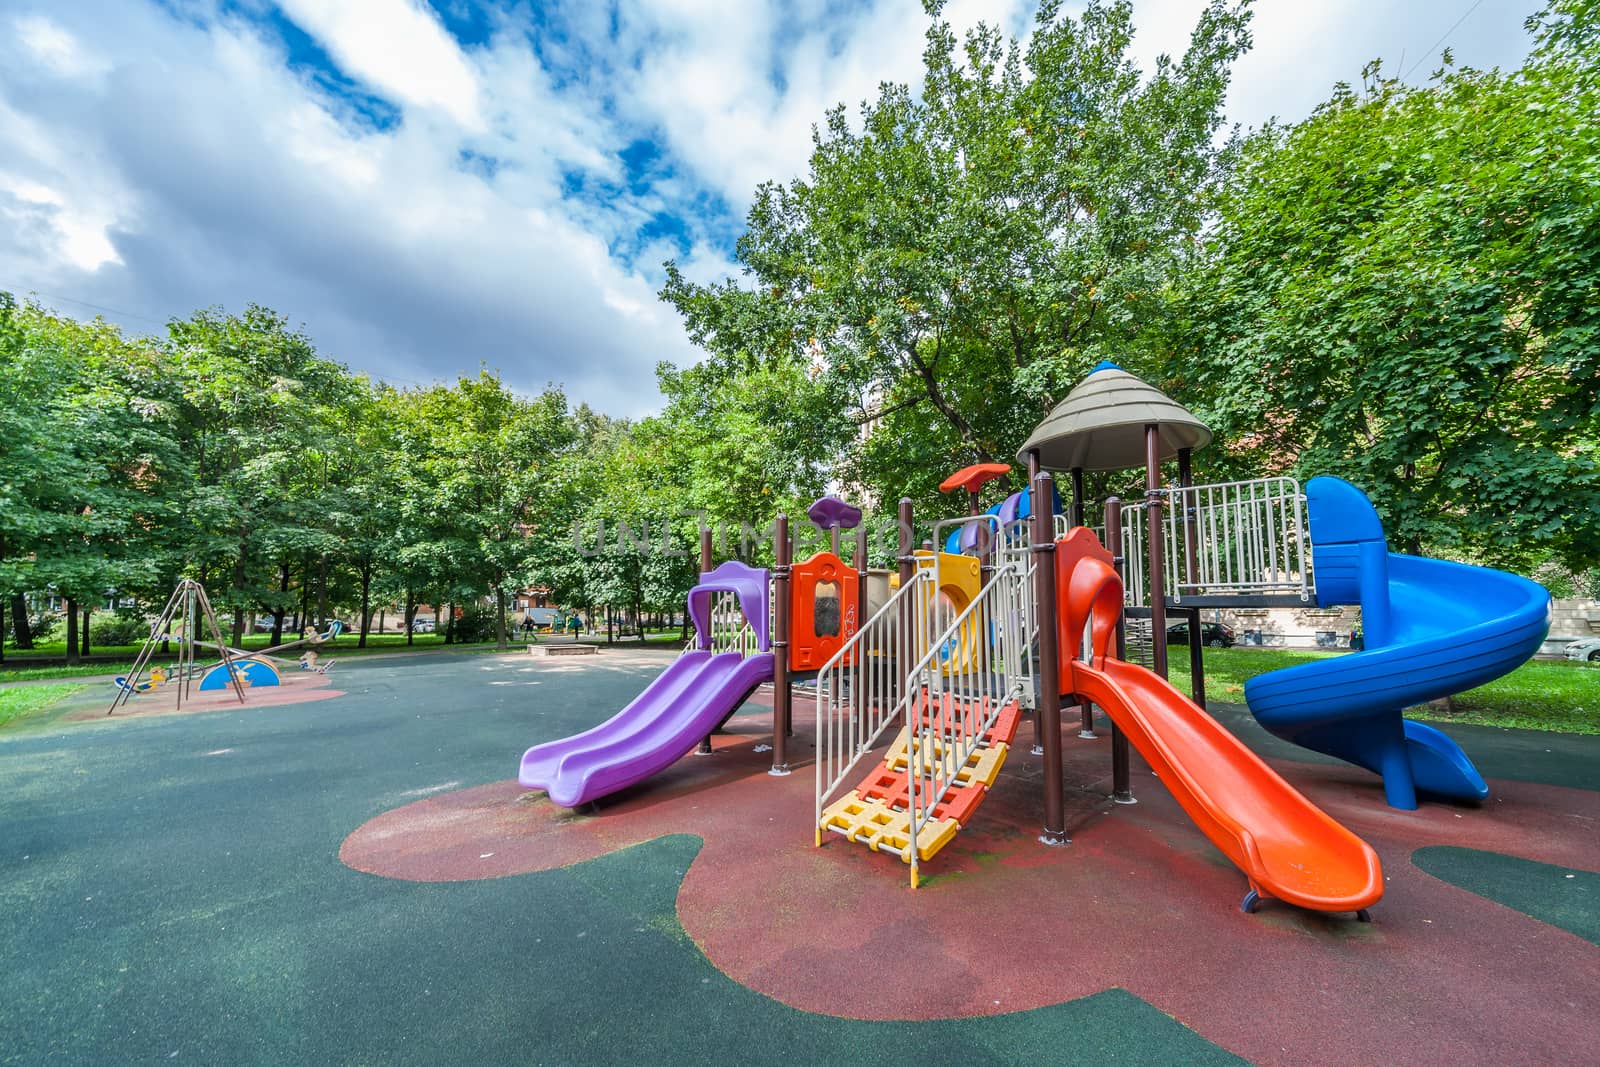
x,y
1286,846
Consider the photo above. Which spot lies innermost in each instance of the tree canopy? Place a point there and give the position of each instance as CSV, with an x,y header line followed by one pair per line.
x,y
1404,290
955,259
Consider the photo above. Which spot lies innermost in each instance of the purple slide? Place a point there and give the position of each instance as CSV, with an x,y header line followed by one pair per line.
x,y
680,707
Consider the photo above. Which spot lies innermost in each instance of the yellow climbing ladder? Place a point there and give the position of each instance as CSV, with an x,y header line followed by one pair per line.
x,y
877,812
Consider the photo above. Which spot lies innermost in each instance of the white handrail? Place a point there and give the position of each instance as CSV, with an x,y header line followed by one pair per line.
x,y
1237,537
965,694
861,689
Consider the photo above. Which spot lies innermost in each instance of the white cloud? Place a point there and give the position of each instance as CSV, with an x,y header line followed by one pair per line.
x,y
396,47
159,162
55,48
1302,49
704,74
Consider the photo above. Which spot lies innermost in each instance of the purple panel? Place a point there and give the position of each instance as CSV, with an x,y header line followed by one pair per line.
x,y
748,583
830,511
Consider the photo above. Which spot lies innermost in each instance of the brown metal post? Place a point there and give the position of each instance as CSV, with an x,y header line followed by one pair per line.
x,y
1197,657
782,724
981,533
1044,551
1033,474
1085,710
833,540
1121,789
705,566
859,562
904,559
1158,577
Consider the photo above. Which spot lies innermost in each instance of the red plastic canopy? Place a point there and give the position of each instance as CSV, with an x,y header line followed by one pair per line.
x,y
972,478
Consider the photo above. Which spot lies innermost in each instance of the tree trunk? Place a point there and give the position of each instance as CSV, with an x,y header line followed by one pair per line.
x,y
277,612
383,617
305,600
500,617
450,624
85,636
611,626
366,603
411,615
238,586
2,637
72,630
19,622
322,592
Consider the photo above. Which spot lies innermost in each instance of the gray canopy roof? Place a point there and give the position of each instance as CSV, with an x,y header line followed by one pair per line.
x,y
1100,425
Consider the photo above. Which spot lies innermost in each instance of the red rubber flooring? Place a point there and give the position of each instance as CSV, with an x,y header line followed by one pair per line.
x,y
1139,900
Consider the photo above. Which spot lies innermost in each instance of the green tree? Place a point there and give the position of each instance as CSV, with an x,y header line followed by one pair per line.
x,y
1404,289
486,469
261,422
92,471
950,267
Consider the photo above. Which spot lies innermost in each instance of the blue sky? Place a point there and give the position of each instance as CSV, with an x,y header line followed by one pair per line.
x,y
428,186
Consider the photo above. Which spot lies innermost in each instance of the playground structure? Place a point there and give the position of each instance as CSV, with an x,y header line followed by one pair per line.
x,y
186,611
1024,607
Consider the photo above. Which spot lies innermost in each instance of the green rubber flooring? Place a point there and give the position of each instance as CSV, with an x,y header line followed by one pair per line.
x,y
170,891
1561,896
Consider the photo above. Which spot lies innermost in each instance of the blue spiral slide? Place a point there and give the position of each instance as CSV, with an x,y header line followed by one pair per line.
x,y
1432,628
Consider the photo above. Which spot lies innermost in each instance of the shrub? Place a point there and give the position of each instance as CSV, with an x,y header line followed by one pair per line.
x,y
43,626
117,628
475,624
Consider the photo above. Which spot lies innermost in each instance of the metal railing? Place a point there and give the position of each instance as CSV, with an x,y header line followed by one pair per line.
x,y
964,698
730,630
1015,564
918,653
1237,537
1135,564
862,688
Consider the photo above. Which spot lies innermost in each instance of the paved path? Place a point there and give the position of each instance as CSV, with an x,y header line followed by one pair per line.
x,y
171,891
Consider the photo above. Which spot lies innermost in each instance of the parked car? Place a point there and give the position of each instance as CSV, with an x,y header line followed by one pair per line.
x,y
1212,634
422,626
1584,650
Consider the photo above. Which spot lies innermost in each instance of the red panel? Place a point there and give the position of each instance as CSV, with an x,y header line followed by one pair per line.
x,y
820,625
892,788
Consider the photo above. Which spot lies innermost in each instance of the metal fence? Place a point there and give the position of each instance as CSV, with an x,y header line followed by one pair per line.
x,y
730,630
1238,538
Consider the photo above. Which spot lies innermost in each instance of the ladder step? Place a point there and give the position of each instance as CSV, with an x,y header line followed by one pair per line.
x,y
982,765
950,714
883,829
893,789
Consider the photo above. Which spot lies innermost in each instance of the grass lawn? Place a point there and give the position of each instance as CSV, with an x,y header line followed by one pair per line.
x,y
1540,695
21,701
345,643
16,669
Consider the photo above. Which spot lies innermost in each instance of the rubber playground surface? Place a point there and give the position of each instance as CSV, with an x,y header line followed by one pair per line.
x,y
357,879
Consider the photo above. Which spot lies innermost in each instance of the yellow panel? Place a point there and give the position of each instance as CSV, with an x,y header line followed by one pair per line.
x,y
883,829
983,766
